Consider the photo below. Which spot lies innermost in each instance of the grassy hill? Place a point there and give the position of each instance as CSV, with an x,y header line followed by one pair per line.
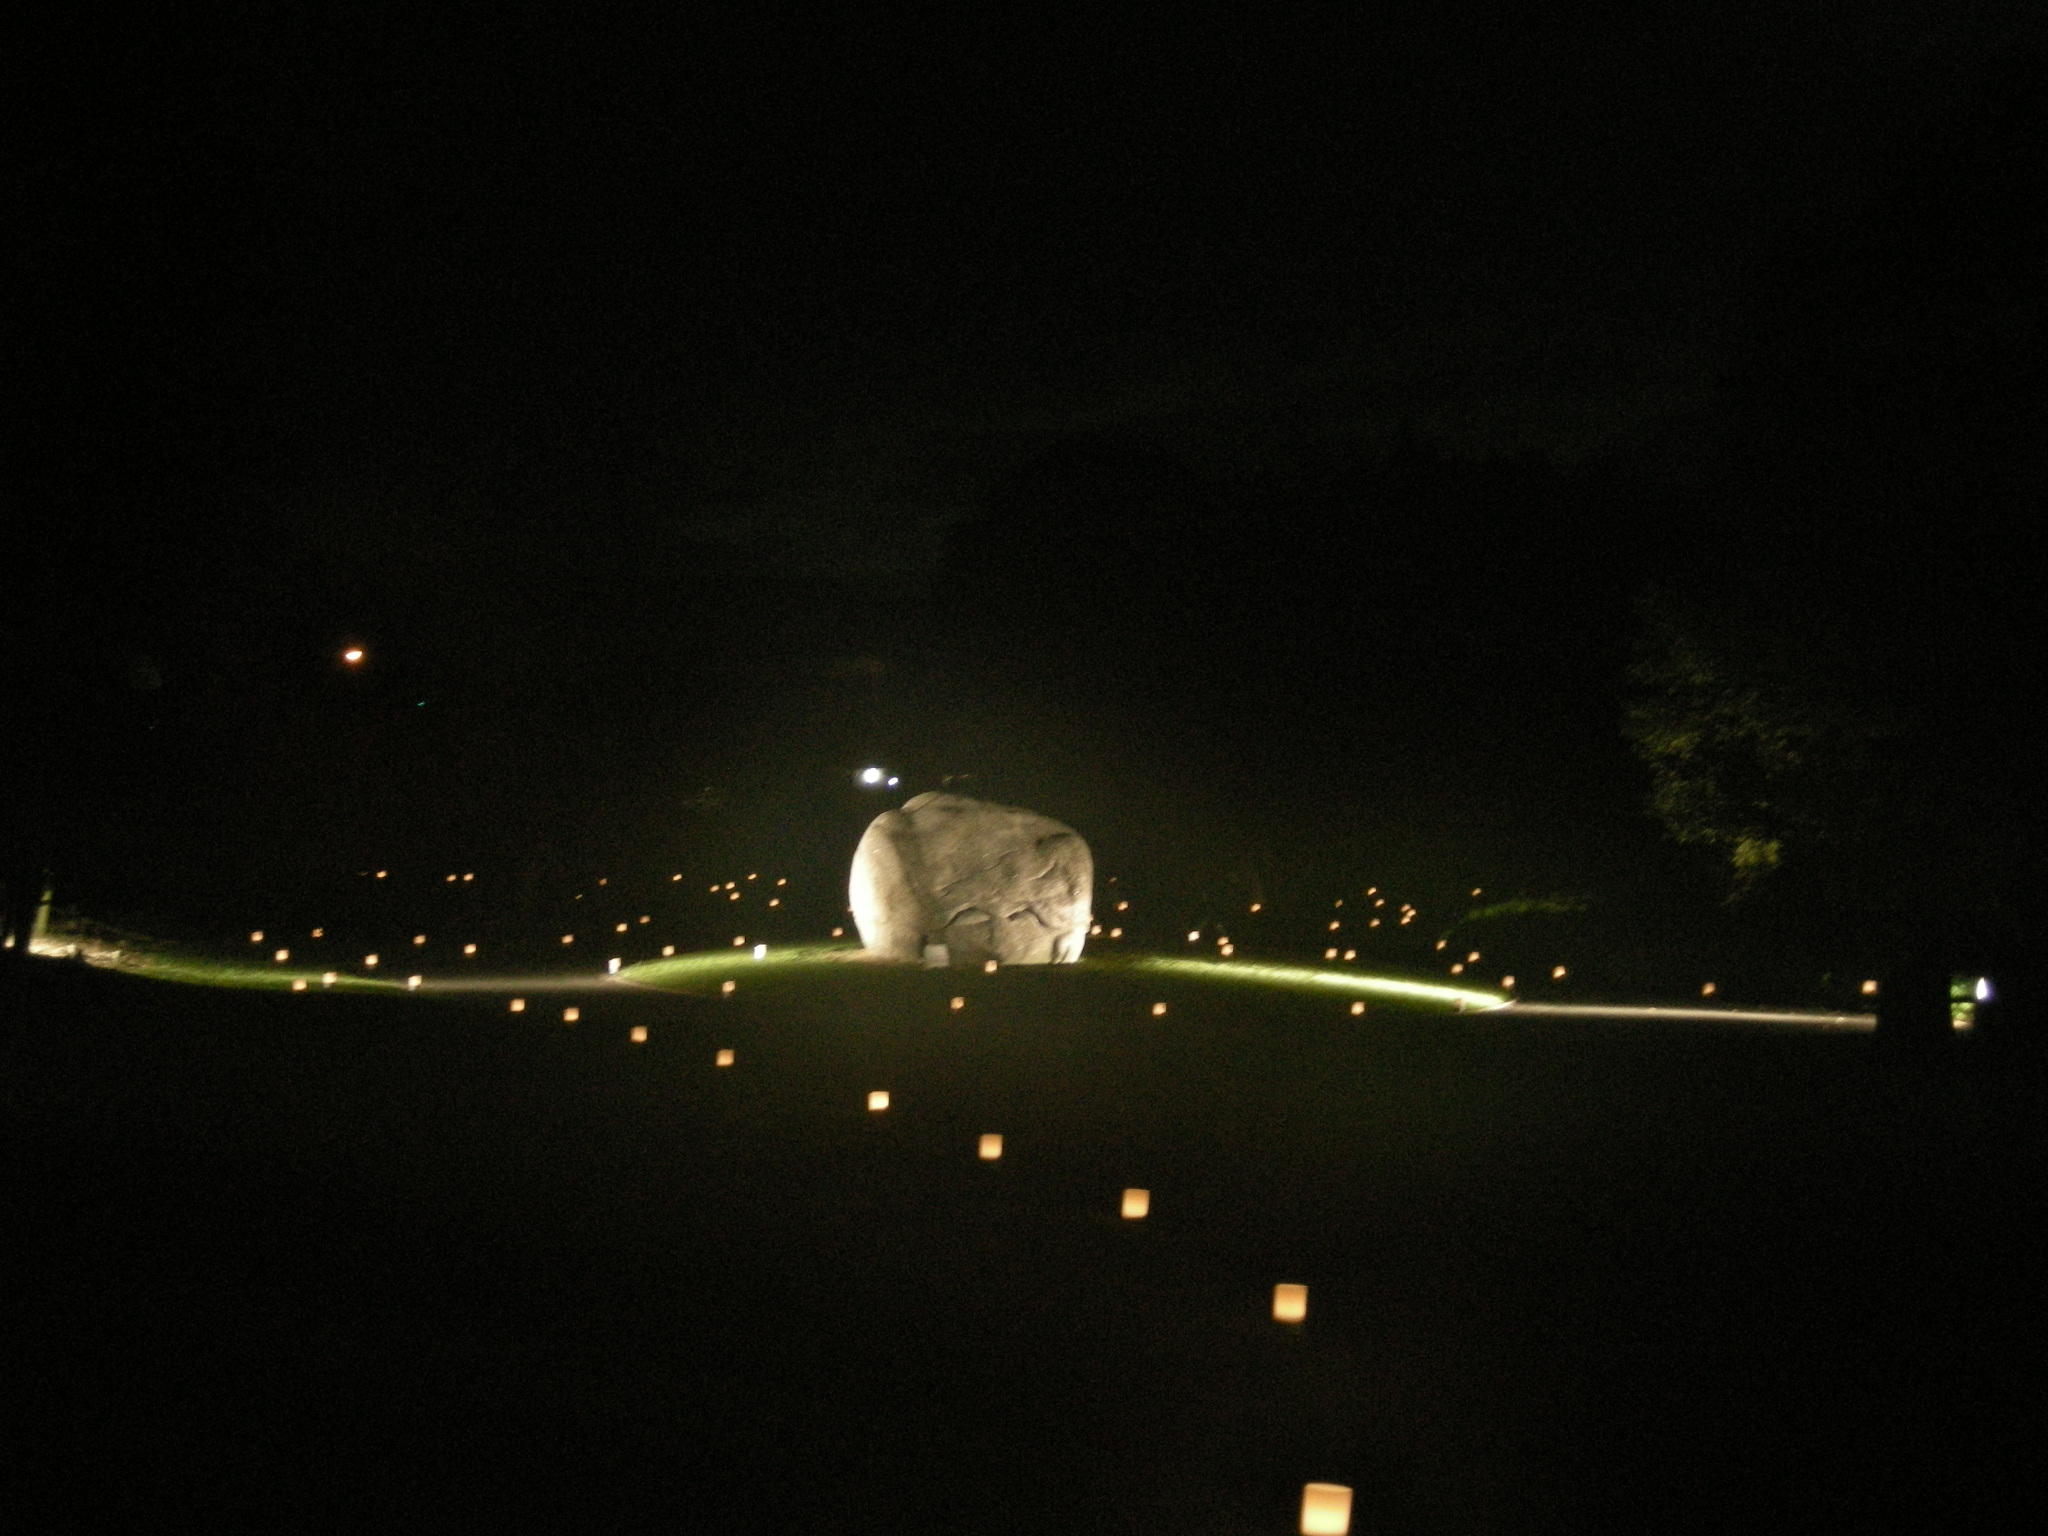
x,y
376,1261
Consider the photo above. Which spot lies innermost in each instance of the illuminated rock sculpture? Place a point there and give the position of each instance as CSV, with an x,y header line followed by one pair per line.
x,y
954,881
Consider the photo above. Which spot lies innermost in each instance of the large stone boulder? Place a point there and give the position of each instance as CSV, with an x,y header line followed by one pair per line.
x,y
958,882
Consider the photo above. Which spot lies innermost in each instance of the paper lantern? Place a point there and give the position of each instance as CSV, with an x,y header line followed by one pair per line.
x,y
879,1099
419,938
370,962
1507,983
329,978
989,966
518,1005
382,873
1458,969
1356,1009
838,933
724,1058
319,933
1870,989
1329,954
571,1015
1227,951
1325,1509
1707,990
1137,1204
469,949
1350,954
727,988
760,951
256,937
1114,933
1159,1010
991,1148
281,956
568,938
957,1004
1557,973
299,985
646,917
412,982
1290,1303
1473,958
667,950
618,928
611,966
639,1034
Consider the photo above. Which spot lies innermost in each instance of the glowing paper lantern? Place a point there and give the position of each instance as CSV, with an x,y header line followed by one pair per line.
x,y
256,937
571,1015
518,1005
1326,1508
1114,933
1473,958
568,938
1350,954
419,938
1707,990
991,1148
319,933
957,1004
760,951
1870,989
281,956
727,988
611,967
668,949
639,1034
619,928
1255,906
1458,969
1159,1010
412,981
370,962
469,949
299,985
1557,973
989,966
878,1100
1195,936
1137,1204
329,978
1507,983
1356,1009
724,1058
1329,954
1290,1303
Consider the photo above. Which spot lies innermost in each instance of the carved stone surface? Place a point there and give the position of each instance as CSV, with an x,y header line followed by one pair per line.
x,y
959,882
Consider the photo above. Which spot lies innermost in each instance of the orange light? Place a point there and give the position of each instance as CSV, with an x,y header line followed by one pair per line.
x,y
1507,983
281,956
727,988
991,1148
1325,1509
667,950
878,1100
1137,1204
412,982
989,967
419,938
571,1015
518,1005
1357,1009
299,984
370,962
1290,1303
956,1004
639,1035
1707,990
1870,989
568,938
353,655
1557,973
1159,1010
256,937
469,949
724,1058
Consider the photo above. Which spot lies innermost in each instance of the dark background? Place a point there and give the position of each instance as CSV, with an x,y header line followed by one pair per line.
x,y
1249,438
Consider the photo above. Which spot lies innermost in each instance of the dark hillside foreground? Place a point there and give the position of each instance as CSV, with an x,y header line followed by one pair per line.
x,y
385,1263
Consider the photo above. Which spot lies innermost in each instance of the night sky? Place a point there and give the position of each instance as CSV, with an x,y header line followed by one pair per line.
x,y
1248,437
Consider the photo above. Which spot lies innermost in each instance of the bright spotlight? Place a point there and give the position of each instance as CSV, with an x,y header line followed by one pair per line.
x,y
871,776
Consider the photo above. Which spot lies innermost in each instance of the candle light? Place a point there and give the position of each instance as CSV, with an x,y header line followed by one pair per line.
x,y
1325,1509
571,1015
299,984
639,1034
878,1100
991,1148
956,1004
281,956
1290,1303
1357,1009
1137,1204
1159,1010
727,988
518,1005
724,1058
611,966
